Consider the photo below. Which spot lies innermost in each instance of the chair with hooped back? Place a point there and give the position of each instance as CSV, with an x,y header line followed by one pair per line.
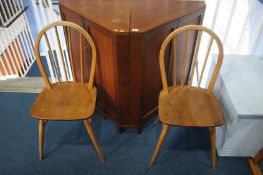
x,y
65,98
185,103
254,162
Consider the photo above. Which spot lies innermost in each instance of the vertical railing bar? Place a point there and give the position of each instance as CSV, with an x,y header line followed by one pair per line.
x,y
15,57
53,17
39,24
21,4
15,5
20,39
8,11
52,57
185,57
35,10
6,19
61,53
81,58
7,62
12,10
18,45
196,51
5,71
30,53
11,16
12,46
29,33
24,41
206,58
70,53
60,64
11,58
1,19
28,42
51,13
1,75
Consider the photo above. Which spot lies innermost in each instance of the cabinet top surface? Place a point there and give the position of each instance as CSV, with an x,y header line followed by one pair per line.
x,y
132,15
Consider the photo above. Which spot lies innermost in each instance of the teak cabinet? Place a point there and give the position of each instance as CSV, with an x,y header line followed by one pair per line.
x,y
128,35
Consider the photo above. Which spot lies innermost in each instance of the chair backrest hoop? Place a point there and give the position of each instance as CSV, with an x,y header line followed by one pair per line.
x,y
83,33
190,28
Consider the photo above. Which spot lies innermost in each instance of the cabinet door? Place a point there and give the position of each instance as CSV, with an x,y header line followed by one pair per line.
x,y
193,18
68,15
151,83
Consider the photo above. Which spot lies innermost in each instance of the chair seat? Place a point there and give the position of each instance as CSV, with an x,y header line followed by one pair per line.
x,y
190,106
65,101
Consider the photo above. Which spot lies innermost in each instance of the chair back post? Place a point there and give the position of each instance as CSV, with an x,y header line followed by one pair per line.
x,y
83,34
186,29
40,63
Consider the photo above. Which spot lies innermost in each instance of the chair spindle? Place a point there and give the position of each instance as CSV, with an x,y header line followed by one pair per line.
x,y
52,58
81,57
174,61
185,57
69,47
61,54
205,62
199,37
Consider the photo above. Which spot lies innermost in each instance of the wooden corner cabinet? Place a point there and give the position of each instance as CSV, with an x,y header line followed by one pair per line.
x,y
128,35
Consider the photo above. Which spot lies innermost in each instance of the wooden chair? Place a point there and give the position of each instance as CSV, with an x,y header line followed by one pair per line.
x,y
68,99
183,104
254,161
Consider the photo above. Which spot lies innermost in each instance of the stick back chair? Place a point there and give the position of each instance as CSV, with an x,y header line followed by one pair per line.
x,y
65,99
254,162
183,103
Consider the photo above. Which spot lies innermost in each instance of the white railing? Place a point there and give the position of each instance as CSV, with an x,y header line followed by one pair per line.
x,y
16,46
45,14
238,23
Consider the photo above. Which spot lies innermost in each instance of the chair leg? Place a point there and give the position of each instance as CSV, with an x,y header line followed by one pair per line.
x,y
93,138
41,128
90,120
254,161
159,143
157,120
213,145
254,167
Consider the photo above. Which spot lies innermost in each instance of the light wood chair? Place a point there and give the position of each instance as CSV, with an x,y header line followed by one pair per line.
x,y
254,161
65,99
186,104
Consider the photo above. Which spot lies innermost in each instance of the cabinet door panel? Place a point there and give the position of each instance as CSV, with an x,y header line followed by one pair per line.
x,y
68,15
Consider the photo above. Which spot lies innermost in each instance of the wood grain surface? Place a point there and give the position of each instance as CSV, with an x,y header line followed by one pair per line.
x,y
127,75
